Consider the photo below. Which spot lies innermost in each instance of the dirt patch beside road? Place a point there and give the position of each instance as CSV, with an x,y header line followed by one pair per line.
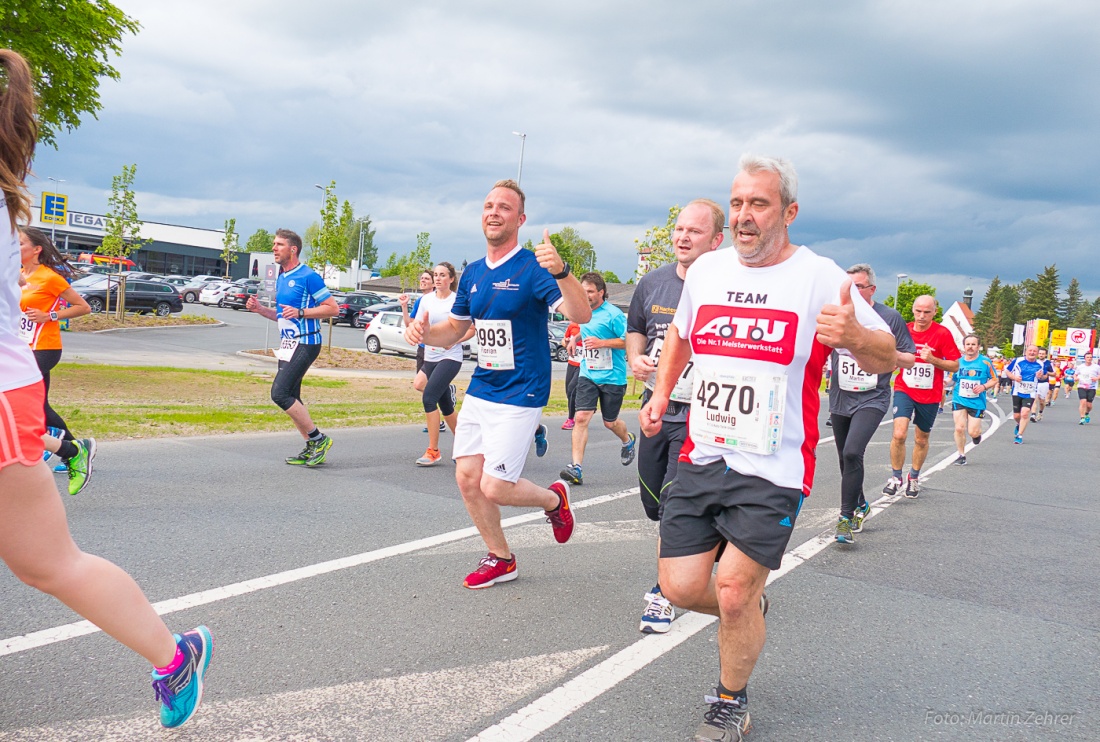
x,y
354,359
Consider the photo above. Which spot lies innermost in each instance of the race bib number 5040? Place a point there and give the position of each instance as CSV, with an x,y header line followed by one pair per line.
x,y
738,411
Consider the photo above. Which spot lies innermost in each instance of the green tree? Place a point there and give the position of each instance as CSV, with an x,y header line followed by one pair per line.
x,y
1041,299
328,241
393,266
983,318
260,241
359,237
909,290
658,240
68,46
122,233
1071,306
574,249
416,261
229,244
610,276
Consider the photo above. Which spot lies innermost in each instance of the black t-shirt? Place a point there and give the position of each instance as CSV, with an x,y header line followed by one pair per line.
x,y
651,311
847,403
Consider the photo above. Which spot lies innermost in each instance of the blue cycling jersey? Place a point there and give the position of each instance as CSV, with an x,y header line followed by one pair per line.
x,y
300,288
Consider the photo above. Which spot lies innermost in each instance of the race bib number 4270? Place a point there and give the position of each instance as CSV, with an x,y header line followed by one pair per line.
x,y
738,411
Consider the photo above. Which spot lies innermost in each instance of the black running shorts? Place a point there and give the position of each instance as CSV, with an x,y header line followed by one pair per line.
x,y
609,396
1018,403
1086,394
709,504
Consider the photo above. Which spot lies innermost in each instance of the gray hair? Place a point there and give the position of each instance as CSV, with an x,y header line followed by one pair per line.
x,y
788,178
863,268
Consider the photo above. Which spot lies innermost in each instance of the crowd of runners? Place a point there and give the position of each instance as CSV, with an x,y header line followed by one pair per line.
x,y
737,341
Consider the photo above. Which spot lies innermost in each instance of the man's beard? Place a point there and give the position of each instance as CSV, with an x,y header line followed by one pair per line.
x,y
766,248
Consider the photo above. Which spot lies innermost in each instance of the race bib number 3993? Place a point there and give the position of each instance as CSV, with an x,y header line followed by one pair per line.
x,y
741,412
494,344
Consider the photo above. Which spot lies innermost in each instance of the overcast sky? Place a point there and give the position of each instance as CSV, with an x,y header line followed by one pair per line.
x,y
946,140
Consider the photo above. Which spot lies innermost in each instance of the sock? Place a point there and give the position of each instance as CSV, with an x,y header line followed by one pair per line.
x,y
316,435
741,696
897,473
67,450
509,560
914,473
174,665
977,439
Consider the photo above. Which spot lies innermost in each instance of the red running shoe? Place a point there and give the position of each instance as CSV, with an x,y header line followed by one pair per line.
x,y
561,518
491,570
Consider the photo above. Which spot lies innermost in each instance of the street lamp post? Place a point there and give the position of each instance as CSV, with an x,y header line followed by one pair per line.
x,y
897,292
53,226
359,263
522,144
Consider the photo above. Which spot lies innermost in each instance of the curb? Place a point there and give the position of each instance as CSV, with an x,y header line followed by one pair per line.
x,y
161,327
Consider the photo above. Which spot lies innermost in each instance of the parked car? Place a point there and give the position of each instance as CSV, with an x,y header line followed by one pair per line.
x,y
248,282
213,293
558,351
141,297
141,276
236,296
188,287
366,314
350,304
387,332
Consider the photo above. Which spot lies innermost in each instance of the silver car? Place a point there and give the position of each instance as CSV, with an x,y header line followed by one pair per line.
x,y
387,332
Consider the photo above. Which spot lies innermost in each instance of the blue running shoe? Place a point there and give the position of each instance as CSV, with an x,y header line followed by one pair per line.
x,y
1018,439
540,441
181,692
61,468
629,449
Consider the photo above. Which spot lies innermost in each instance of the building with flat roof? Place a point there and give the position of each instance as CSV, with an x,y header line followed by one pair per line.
x,y
175,249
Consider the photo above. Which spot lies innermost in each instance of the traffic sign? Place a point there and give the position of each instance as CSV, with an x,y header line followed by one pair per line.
x,y
55,207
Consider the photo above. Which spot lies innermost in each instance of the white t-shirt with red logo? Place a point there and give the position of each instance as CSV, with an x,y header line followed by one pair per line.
x,y
758,363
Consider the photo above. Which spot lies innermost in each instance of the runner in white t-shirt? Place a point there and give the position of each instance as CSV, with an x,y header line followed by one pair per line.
x,y
1088,374
441,365
746,319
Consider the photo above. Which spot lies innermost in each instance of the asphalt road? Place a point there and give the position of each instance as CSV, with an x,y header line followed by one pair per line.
x,y
980,598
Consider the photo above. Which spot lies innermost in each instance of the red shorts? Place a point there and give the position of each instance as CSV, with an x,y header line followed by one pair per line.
x,y
22,425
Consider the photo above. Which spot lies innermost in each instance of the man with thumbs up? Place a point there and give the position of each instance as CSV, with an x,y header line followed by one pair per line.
x,y
507,295
757,322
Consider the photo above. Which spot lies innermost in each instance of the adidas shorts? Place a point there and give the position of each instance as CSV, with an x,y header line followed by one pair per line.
x,y
502,433
22,425
709,504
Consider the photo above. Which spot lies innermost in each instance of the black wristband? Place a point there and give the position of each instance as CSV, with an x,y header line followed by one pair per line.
x,y
301,314
563,274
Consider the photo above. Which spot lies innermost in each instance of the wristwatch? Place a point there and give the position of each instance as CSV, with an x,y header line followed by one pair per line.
x,y
563,274
301,314
53,316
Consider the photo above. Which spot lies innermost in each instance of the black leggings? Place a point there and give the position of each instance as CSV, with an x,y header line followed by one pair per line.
x,y
440,375
852,436
571,374
658,458
287,387
46,360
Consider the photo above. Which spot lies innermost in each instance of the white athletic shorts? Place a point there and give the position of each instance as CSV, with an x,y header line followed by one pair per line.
x,y
502,433
1042,388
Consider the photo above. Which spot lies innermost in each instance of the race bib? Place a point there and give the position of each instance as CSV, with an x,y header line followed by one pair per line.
x,y
741,412
1024,388
921,376
27,326
598,359
852,378
494,345
578,351
682,391
971,388
288,339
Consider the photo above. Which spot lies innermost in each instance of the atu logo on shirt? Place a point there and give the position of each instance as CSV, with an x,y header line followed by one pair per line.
x,y
755,334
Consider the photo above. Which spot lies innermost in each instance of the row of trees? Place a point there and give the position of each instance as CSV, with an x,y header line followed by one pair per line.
x,y
1005,305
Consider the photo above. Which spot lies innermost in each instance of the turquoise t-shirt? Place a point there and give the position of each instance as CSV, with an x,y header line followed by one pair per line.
x,y
969,379
608,322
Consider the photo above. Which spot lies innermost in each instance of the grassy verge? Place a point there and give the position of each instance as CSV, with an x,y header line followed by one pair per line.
x,y
104,321
353,358
113,402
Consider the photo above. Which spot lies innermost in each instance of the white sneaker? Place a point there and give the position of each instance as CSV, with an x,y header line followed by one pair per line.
x,y
893,484
658,615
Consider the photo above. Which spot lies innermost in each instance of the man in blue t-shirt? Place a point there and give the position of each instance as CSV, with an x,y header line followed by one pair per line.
x,y
507,295
301,301
1026,373
603,376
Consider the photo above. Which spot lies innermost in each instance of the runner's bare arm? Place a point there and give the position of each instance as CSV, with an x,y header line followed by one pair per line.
x,y
254,305
675,354
574,303
641,365
327,308
905,360
442,334
837,327
613,343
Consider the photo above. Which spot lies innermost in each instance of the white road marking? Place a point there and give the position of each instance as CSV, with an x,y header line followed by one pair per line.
x,y
543,713
537,535
163,608
387,708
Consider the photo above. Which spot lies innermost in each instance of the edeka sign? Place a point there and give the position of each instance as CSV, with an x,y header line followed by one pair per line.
x,y
87,221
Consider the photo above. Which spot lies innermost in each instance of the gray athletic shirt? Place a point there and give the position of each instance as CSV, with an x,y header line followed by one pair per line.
x,y
847,404
651,311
